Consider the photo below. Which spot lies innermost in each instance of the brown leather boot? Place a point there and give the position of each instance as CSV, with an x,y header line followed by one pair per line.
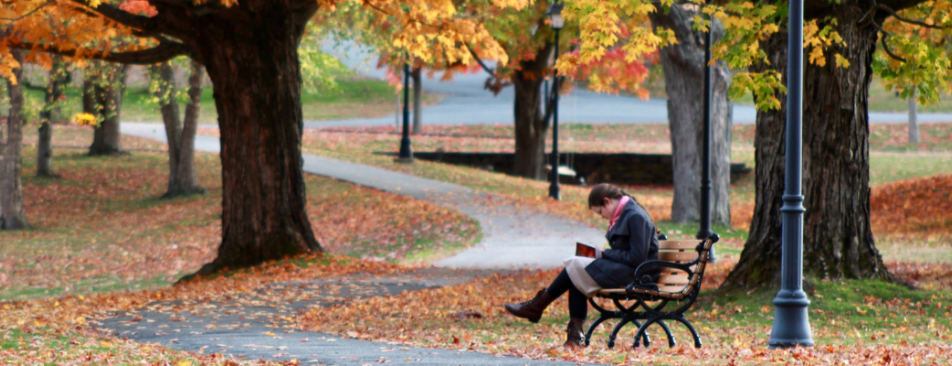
x,y
576,334
532,309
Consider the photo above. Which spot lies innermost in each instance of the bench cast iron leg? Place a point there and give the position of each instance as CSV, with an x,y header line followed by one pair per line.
x,y
697,339
667,331
611,338
591,329
642,332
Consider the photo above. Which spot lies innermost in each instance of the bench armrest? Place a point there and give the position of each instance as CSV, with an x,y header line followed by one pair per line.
x,y
645,282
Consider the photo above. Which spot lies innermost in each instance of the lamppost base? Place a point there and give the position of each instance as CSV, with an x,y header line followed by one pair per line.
x,y
791,321
404,160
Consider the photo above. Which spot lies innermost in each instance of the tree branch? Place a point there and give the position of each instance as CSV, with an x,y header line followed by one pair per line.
x,y
30,12
910,21
886,46
491,72
163,52
123,17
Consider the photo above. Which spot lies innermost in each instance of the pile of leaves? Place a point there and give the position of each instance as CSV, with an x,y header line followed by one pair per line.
x,y
921,206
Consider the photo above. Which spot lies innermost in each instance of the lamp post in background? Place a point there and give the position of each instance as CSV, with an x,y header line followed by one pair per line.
x,y
704,231
791,322
406,155
555,18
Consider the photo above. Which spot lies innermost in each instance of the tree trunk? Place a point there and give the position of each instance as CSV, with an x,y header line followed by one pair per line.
x,y
181,139
837,238
913,123
187,177
531,123
12,216
417,100
49,115
251,58
683,66
108,94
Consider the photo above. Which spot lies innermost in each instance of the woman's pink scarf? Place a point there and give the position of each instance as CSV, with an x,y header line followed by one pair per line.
x,y
617,214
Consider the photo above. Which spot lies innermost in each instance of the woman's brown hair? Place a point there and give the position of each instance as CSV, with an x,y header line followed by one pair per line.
x,y
596,198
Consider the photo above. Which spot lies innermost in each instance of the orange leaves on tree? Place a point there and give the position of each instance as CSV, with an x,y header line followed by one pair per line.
x,y
139,7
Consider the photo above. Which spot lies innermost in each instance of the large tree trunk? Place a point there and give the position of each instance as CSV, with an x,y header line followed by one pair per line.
x,y
837,238
181,139
12,216
683,66
251,58
108,92
531,123
417,102
49,115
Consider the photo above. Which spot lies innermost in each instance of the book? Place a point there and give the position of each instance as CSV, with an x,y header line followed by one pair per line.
x,y
585,250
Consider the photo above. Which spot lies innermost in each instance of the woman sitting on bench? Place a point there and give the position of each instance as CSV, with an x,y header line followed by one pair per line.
x,y
631,235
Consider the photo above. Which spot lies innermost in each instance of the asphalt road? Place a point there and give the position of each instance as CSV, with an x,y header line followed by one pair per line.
x,y
467,102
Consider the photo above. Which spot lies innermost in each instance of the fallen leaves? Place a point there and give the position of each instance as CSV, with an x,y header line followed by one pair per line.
x,y
922,206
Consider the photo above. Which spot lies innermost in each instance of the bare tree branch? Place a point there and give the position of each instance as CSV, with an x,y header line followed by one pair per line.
x,y
123,17
30,12
910,21
886,46
163,52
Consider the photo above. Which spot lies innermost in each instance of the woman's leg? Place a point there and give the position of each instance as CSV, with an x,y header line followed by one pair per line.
x,y
532,309
578,304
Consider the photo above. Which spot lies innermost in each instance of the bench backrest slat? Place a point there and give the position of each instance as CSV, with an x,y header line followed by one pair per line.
x,y
677,244
679,251
671,256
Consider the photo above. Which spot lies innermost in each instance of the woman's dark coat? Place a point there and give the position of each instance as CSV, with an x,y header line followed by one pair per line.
x,y
633,241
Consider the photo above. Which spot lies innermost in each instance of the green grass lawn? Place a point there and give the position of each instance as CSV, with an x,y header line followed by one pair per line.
x,y
356,97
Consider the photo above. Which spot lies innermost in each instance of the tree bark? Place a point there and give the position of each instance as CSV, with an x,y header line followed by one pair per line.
x,y
531,122
250,52
108,94
837,237
683,66
12,216
913,114
417,100
49,115
181,139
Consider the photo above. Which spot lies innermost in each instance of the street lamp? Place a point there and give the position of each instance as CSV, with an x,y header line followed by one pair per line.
x,y
556,22
791,321
705,230
406,155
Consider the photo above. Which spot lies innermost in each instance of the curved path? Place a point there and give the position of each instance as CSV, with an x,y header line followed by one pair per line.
x,y
513,237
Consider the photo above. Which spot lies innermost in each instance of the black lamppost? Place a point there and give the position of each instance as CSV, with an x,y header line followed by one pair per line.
x,y
406,155
555,18
705,230
791,321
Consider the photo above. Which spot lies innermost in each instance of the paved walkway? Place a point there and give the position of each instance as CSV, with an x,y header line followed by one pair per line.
x,y
258,324
513,237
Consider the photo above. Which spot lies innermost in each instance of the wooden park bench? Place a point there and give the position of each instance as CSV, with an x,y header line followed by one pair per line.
x,y
682,266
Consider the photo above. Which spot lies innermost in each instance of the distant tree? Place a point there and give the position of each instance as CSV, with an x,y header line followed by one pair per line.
x,y
12,215
183,179
51,113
